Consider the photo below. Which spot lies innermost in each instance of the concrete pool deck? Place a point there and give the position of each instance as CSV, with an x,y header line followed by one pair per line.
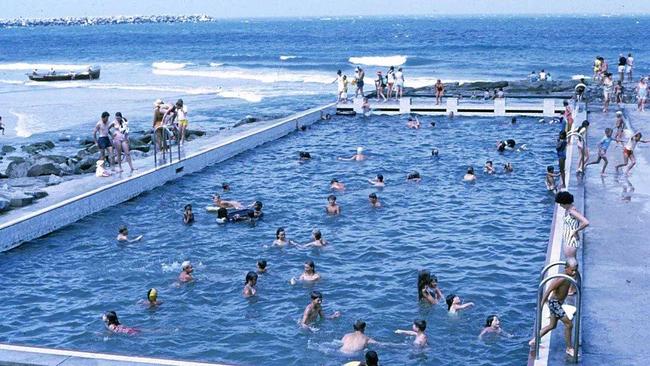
x,y
615,267
72,200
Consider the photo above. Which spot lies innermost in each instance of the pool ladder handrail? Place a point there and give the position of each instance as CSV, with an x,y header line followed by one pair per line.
x,y
166,144
577,283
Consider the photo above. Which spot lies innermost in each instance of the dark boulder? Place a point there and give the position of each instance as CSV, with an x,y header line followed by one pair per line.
x,y
39,169
37,147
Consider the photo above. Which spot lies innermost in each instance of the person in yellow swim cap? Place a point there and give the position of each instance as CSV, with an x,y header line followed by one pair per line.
x,y
152,296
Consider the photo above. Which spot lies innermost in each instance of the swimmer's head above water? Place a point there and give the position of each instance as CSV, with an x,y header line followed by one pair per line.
x,y
492,321
279,233
110,318
317,234
380,178
359,326
304,155
123,230
310,266
414,175
261,265
550,169
359,150
434,152
225,186
187,267
470,170
222,215
450,299
152,295
251,278
316,297
419,325
331,199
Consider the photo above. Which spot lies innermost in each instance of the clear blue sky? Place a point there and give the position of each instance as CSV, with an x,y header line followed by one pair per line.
x,y
306,8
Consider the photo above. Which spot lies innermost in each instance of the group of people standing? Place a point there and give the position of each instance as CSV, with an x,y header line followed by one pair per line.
x,y
387,86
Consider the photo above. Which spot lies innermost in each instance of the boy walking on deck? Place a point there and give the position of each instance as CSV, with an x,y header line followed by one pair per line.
x,y
103,142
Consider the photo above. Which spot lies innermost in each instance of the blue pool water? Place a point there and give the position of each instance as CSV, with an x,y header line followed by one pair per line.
x,y
485,241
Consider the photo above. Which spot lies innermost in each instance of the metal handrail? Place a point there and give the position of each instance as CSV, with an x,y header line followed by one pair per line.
x,y
165,144
540,307
558,263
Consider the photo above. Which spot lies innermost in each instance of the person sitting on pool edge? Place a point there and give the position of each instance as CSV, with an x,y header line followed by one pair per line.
x,y
336,185
356,157
315,309
378,181
113,324
356,341
413,176
123,235
455,304
469,176
152,298
374,200
188,215
419,326
186,272
332,207
249,284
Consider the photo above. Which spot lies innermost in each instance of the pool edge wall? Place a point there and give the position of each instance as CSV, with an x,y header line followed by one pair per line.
x,y
59,215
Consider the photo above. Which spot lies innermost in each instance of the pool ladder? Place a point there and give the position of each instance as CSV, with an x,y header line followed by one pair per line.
x,y
166,145
575,282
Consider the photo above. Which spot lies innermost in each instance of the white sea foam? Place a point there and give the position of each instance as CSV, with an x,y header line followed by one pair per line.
x,y
164,65
379,60
106,86
216,64
245,95
266,76
284,58
28,66
14,82
24,124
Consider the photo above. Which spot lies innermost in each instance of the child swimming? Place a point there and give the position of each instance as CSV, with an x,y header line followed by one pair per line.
x,y
249,284
488,168
492,326
113,324
455,304
469,176
419,327
332,207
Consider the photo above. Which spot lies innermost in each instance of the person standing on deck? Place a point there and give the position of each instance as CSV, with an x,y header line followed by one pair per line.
x,y
580,90
2,126
628,152
399,83
338,81
182,119
359,74
158,113
608,85
629,66
380,84
560,148
121,140
390,80
103,142
440,91
568,116
641,94
574,222
622,62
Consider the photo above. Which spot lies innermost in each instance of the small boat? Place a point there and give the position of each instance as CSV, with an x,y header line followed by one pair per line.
x,y
90,74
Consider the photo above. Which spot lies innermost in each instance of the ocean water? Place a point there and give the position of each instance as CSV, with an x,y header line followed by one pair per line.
x,y
269,68
485,242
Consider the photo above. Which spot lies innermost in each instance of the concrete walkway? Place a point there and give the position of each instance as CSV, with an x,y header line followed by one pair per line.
x,y
616,276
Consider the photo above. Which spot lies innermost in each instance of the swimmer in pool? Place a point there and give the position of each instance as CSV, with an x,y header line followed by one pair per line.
x,y
419,327
225,186
434,153
550,179
413,123
332,207
357,340
378,181
249,287
493,326
281,238
336,185
508,144
152,298
455,304
304,155
123,235
428,289
488,168
261,266
315,309
186,273
113,324
188,215
413,176
309,275
374,200
469,176
245,214
356,157
317,240
216,199
507,168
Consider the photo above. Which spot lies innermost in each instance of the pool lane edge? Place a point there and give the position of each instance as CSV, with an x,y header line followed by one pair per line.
x,y
23,355
46,220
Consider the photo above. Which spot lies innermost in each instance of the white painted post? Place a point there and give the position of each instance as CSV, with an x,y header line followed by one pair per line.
x,y
549,107
452,105
405,105
358,105
500,106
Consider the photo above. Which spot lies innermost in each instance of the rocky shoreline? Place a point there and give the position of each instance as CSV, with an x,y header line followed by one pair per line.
x,y
27,169
121,19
